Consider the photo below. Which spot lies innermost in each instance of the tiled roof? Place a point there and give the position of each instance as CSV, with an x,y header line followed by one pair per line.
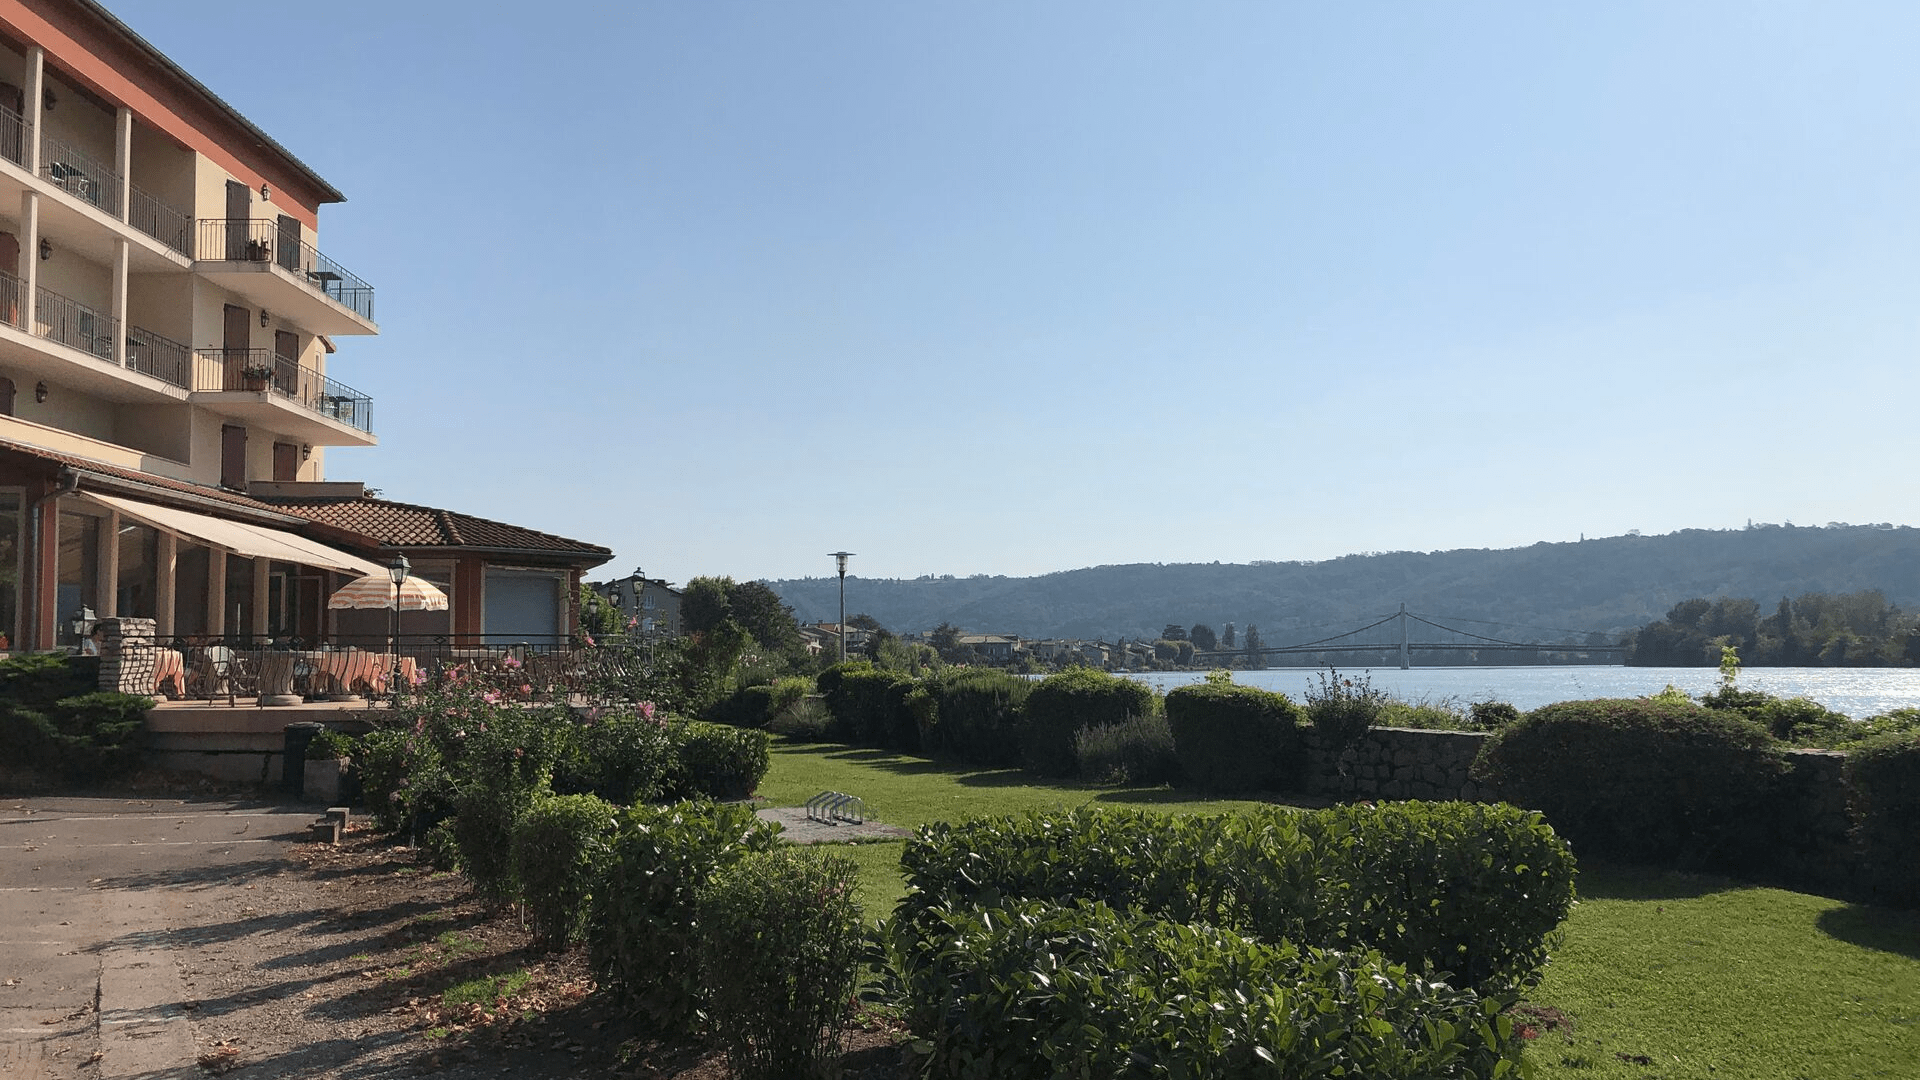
x,y
134,476
403,525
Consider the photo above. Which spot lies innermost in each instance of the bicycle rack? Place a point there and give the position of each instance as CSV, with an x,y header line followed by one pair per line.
x,y
833,807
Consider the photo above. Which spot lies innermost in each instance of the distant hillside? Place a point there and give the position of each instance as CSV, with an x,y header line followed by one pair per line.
x,y
1610,584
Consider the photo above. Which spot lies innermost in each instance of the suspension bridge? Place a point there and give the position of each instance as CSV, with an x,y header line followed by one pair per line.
x,y
1390,640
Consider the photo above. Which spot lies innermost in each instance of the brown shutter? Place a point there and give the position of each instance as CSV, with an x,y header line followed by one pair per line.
x,y
233,457
286,462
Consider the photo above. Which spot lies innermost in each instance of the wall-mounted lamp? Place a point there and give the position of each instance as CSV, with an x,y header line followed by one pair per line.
x,y
264,316
306,451
46,249
40,392
49,99
266,193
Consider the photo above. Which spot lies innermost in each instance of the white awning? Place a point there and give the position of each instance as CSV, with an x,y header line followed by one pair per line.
x,y
253,541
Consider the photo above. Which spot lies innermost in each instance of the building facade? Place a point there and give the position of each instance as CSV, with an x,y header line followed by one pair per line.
x,y
168,331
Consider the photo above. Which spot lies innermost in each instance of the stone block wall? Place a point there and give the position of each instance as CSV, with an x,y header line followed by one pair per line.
x,y
126,655
1398,763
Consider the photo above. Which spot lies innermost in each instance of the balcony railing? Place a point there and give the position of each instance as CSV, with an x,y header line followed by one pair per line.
x,y
13,304
262,241
158,356
261,369
74,324
159,220
72,170
14,131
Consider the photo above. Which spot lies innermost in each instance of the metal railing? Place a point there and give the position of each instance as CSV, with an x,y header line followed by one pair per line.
x,y
75,172
159,356
14,132
262,369
74,324
262,241
13,295
158,219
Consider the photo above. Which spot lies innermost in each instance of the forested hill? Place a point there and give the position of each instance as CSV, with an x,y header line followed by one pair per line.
x,y
1609,584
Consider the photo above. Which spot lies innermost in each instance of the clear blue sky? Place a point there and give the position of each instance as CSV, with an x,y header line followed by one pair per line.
x,y
977,287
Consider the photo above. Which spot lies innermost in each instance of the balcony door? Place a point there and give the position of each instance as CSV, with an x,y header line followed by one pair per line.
x,y
236,335
286,364
286,462
233,457
239,209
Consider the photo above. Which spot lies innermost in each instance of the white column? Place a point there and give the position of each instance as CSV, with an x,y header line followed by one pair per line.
x,y
216,593
163,594
123,157
261,575
30,254
108,588
120,249
33,105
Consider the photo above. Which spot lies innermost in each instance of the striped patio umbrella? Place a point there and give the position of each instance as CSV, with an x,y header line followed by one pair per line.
x,y
376,591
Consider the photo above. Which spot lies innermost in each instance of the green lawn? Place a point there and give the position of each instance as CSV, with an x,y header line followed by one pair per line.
x,y
1666,976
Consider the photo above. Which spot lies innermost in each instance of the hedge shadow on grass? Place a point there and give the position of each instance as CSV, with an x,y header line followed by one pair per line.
x,y
1881,929
1613,881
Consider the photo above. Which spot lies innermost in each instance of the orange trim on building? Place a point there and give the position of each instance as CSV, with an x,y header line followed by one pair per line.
x,y
88,52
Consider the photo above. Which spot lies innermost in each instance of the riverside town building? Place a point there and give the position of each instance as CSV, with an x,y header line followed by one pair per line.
x,y
172,341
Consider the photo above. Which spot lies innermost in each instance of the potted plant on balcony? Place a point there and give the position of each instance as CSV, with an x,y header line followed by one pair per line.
x,y
256,376
259,250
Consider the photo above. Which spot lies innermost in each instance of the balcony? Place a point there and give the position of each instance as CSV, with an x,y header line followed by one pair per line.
x,y
87,180
278,393
84,329
278,270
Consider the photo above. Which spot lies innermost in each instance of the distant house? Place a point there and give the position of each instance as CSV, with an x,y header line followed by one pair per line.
x,y
650,604
825,637
998,648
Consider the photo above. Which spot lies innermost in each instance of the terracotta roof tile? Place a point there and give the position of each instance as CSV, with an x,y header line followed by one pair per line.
x,y
397,524
148,479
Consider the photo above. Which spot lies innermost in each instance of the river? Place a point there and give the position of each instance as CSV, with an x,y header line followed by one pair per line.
x,y
1857,692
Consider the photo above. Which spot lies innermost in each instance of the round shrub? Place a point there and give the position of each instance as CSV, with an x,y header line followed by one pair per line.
x,y
1883,798
975,715
622,756
779,946
717,761
643,924
1078,698
1236,738
1658,780
560,844
748,707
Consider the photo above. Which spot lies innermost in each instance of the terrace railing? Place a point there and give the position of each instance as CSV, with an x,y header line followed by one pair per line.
x,y
13,295
256,240
74,171
74,324
14,132
158,219
261,369
159,356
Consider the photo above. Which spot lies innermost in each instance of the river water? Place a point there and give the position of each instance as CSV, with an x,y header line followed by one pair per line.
x,y
1857,692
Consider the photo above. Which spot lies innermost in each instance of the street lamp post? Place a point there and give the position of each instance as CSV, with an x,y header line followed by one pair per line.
x,y
398,572
841,558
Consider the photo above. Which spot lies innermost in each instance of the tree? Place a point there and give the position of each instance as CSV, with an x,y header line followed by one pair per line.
x,y
945,640
1173,632
761,613
1203,637
879,641
597,616
1253,642
704,603
1226,637
864,622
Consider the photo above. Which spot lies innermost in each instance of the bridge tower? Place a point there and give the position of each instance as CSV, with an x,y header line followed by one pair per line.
x,y
1406,654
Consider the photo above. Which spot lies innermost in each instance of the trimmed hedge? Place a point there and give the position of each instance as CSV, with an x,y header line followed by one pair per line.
x,y
1038,991
780,944
716,760
622,756
644,928
1883,798
748,707
1471,889
869,706
1237,738
560,844
1654,780
1077,698
973,714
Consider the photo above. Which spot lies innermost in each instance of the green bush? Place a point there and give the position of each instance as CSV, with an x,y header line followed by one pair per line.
x,y
1800,722
976,715
1469,889
1038,991
1490,715
1883,798
748,707
1137,751
869,705
807,720
1237,738
643,926
97,736
1422,716
37,680
623,756
780,942
1658,780
1078,698
1342,708
330,745
560,845
499,760
717,761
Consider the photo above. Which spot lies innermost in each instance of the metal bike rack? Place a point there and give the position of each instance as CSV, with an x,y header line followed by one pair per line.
x,y
837,806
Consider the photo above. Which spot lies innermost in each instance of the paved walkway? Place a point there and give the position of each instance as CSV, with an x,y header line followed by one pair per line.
x,y
97,899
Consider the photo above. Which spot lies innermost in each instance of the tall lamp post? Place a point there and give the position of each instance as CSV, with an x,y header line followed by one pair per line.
x,y
398,572
841,557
